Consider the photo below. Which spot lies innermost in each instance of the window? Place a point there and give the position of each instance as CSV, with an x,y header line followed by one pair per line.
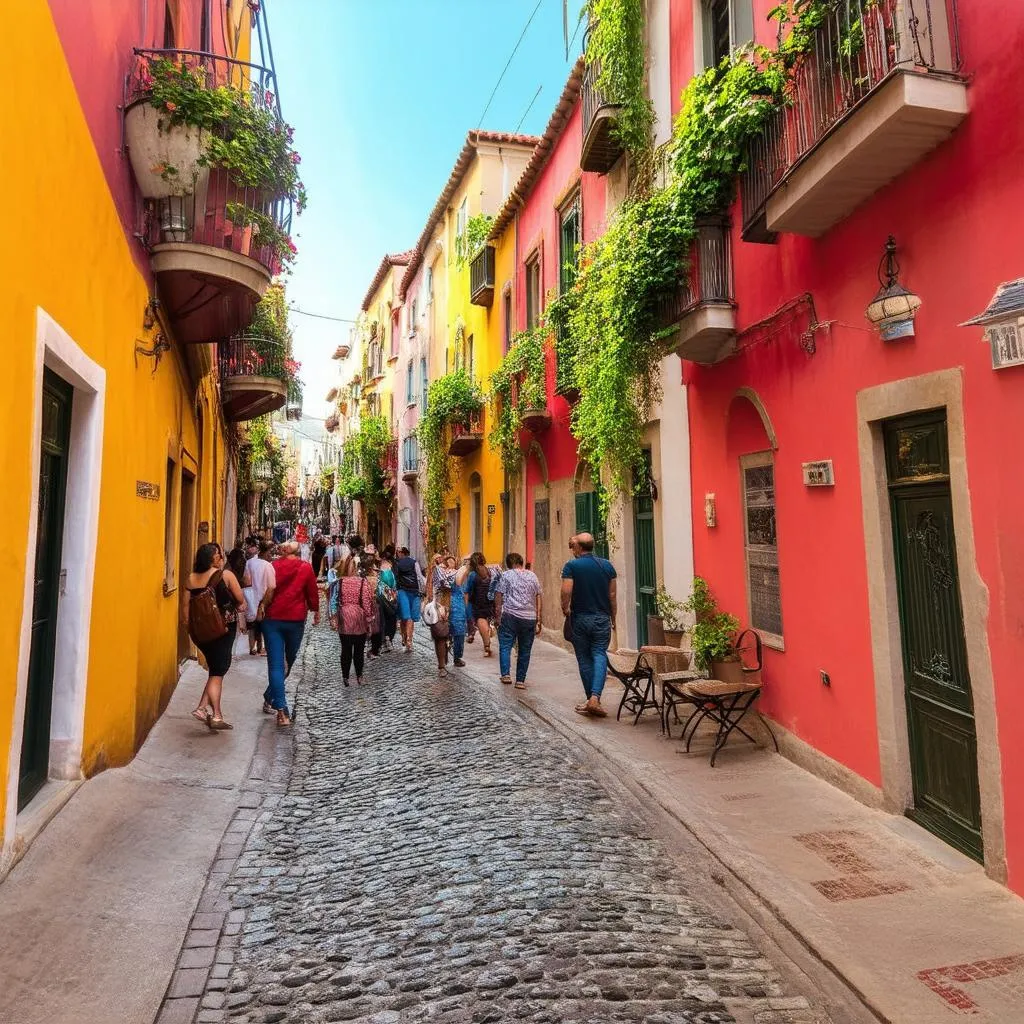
x,y
541,521
757,473
410,385
169,521
168,26
410,454
506,314
428,284
568,244
462,220
412,317
725,25
470,364
532,292
424,384
394,334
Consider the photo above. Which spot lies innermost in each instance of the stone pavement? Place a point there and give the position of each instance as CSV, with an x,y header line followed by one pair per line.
x,y
903,921
441,855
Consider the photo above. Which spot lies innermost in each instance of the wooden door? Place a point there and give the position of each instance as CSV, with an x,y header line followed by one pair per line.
x,y
940,708
646,563
589,520
53,473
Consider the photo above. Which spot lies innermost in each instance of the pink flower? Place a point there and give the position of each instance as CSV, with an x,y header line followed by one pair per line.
x,y
296,159
268,98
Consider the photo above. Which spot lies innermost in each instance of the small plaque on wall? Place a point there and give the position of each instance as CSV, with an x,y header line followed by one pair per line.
x,y
819,474
144,489
492,509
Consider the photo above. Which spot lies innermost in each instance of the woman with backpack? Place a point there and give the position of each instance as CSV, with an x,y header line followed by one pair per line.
x,y
480,597
351,604
213,601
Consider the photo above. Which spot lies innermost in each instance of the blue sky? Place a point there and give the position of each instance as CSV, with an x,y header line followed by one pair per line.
x,y
381,94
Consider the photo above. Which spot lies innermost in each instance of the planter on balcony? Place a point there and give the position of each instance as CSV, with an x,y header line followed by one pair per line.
x,y
466,438
481,277
202,228
253,380
341,352
601,147
702,311
536,420
331,423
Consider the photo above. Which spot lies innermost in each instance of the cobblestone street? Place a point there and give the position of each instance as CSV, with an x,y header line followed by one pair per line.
x,y
440,855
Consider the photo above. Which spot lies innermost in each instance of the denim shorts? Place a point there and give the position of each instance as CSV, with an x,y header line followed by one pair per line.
x,y
408,605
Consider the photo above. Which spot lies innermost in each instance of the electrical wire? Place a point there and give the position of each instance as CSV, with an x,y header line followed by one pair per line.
x,y
529,108
322,316
515,49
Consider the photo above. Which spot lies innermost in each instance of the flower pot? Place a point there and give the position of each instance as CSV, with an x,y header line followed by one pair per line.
x,y
674,637
165,160
728,671
655,630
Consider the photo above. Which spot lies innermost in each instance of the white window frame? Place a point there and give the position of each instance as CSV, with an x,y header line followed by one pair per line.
x,y
741,29
462,218
752,461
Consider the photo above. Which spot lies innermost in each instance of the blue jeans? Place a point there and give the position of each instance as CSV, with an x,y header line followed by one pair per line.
x,y
409,605
591,635
458,640
511,631
282,639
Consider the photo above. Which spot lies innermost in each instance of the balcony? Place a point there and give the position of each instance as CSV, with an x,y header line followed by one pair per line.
x,y
293,404
201,226
391,460
701,311
466,438
601,147
879,91
253,380
481,277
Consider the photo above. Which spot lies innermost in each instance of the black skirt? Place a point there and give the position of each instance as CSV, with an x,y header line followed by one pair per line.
x,y
218,652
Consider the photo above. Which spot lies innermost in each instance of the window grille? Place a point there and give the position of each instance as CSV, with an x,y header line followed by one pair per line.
x,y
761,544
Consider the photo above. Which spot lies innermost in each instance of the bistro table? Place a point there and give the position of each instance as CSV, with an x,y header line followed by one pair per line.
x,y
652,662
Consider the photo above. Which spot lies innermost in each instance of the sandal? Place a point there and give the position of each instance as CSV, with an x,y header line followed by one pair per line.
x,y
201,714
582,709
283,719
520,684
507,680
268,708
442,672
487,652
596,710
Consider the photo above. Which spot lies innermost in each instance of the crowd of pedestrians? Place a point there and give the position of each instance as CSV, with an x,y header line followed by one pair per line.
x,y
268,591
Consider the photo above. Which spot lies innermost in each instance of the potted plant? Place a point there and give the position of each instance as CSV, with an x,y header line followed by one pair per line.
x,y
713,635
668,623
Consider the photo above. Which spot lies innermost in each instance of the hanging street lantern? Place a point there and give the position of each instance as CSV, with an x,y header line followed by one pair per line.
x,y
893,309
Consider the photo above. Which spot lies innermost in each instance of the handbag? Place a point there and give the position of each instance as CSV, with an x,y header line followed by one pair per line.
x,y
205,619
440,630
567,629
388,598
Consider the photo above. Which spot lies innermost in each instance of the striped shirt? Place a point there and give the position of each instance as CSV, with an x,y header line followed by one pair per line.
x,y
519,589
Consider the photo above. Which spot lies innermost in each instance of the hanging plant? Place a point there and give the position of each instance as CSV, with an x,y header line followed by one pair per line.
x,y
471,242
453,399
361,475
517,385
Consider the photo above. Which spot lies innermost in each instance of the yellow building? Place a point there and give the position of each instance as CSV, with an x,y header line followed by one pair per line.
x,y
115,457
464,333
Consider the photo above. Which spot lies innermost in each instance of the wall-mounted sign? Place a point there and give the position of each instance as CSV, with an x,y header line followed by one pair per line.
x,y
710,515
1003,322
819,474
492,509
144,489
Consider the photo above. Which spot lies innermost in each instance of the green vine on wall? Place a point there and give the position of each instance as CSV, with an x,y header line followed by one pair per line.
x,y
471,242
361,475
517,385
451,399
616,41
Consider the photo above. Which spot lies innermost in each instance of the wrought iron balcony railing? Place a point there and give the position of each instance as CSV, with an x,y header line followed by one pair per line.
x,y
248,355
707,277
601,146
481,277
858,48
466,438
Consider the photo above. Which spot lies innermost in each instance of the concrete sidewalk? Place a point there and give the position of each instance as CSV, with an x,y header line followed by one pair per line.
x,y
915,930
94,916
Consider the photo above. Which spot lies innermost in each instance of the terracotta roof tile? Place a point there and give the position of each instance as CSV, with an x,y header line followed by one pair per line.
x,y
395,259
465,157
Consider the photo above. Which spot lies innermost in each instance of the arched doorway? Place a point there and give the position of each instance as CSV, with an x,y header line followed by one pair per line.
x,y
476,531
588,510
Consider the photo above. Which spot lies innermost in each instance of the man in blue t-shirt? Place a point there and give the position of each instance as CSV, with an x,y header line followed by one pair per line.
x,y
588,595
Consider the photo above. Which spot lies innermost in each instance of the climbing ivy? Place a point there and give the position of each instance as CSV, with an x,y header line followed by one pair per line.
x,y
452,399
517,385
361,475
616,42
473,239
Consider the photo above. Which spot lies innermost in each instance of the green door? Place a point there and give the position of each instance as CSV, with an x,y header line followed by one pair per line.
x,y
643,539
588,520
940,708
53,473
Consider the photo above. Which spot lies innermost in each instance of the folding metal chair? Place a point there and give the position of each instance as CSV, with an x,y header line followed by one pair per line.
x,y
638,692
727,703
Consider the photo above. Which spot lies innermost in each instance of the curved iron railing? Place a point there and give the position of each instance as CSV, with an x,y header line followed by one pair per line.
x,y
216,213
857,47
249,355
707,277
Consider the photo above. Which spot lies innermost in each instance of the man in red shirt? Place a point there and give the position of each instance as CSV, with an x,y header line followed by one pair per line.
x,y
282,613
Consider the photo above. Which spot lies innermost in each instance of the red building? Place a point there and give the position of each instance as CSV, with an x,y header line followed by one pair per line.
x,y
852,496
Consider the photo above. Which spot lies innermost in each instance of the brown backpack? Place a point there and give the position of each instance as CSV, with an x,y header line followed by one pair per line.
x,y
205,619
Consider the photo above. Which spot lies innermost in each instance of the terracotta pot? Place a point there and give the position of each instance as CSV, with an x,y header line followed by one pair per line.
x,y
674,637
655,630
729,671
152,149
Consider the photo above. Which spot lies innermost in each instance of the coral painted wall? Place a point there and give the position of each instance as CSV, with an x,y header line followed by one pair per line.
x,y
957,219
